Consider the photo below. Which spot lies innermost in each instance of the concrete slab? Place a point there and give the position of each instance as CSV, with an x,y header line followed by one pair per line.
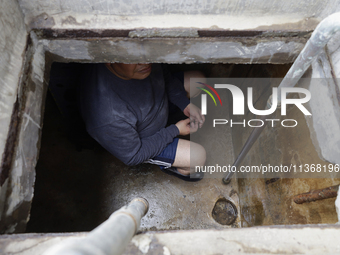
x,y
174,203
305,239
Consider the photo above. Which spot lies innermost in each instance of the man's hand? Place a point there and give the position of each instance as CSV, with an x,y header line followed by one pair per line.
x,y
195,115
186,127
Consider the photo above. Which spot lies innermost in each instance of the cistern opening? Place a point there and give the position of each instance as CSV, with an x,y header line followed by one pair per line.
x,y
79,184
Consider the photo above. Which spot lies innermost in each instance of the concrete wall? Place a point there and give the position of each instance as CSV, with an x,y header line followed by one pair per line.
x,y
12,47
325,107
234,7
258,240
316,140
13,37
177,50
215,14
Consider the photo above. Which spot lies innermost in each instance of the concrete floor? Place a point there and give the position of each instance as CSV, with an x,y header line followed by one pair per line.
x,y
174,204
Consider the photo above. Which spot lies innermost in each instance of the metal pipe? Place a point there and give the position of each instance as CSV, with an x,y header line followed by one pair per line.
x,y
315,195
111,237
246,147
320,37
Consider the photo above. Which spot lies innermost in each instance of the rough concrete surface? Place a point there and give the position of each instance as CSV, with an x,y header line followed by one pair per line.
x,y
133,7
174,204
305,239
174,50
164,14
20,191
73,20
12,47
267,201
13,37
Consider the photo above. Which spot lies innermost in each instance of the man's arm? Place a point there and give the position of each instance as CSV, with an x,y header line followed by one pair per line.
x,y
177,95
195,114
122,140
175,90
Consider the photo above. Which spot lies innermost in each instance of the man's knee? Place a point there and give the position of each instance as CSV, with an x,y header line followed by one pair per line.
x,y
197,155
189,154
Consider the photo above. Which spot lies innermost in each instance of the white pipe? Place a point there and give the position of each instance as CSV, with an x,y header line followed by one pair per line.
x,y
320,37
109,238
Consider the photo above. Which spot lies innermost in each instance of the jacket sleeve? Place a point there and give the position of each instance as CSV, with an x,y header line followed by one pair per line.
x,y
175,90
122,140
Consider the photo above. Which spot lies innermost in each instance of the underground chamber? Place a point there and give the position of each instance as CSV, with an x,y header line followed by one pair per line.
x,y
79,184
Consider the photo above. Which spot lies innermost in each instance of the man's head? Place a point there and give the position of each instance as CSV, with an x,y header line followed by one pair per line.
x,y
130,71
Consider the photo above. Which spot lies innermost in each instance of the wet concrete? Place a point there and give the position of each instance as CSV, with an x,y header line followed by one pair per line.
x,y
269,201
174,204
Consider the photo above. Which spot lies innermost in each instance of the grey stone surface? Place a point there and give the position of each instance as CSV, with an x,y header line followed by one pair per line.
x,y
133,7
12,46
121,14
13,37
304,239
268,200
174,204
173,50
22,175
